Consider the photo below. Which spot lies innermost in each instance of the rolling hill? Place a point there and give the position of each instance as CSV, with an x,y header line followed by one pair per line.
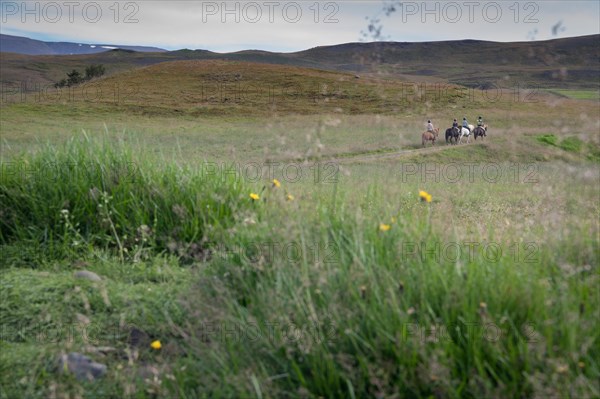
x,y
196,88
201,87
570,63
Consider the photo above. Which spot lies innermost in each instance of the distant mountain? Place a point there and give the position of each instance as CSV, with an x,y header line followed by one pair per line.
x,y
560,63
24,45
565,61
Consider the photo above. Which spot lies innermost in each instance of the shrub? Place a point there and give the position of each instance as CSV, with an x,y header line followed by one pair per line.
x,y
74,77
94,71
571,144
61,83
548,139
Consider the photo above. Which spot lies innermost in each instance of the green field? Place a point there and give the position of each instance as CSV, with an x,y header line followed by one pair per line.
x,y
338,281
578,94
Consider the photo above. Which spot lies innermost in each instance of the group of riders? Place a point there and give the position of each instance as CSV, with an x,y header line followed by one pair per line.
x,y
465,124
456,132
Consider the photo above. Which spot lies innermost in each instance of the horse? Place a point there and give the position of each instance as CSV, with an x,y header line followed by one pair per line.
x,y
452,133
428,136
464,132
480,131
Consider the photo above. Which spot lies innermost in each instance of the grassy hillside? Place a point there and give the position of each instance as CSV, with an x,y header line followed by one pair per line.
x,y
560,63
252,111
277,245
195,110
241,88
473,62
372,296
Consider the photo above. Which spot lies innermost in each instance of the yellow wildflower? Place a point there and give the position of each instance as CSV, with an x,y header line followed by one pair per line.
x,y
289,197
156,345
384,227
254,196
425,196
276,183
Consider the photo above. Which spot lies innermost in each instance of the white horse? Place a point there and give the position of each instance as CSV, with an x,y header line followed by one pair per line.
x,y
465,132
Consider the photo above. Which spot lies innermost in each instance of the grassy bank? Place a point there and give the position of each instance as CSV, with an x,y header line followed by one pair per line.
x,y
355,288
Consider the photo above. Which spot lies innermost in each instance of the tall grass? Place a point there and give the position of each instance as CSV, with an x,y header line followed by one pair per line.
x,y
97,194
305,298
377,323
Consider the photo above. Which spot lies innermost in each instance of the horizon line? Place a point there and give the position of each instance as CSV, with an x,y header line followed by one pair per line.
x,y
296,51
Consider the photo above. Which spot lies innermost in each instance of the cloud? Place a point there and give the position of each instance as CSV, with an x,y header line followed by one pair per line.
x,y
288,25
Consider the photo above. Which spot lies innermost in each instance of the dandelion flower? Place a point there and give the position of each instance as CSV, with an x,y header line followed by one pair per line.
x,y
562,369
425,196
156,345
289,197
384,227
276,183
254,196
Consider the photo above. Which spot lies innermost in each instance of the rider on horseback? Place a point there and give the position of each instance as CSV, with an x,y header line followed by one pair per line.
x,y
479,122
430,126
465,124
455,124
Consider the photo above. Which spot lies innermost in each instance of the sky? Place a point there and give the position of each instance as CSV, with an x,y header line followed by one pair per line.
x,y
287,26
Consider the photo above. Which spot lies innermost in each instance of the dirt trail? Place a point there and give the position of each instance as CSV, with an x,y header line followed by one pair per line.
x,y
390,155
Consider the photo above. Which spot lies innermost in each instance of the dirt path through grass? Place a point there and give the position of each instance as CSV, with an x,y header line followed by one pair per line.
x,y
377,156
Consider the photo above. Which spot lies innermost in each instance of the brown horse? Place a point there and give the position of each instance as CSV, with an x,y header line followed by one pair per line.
x,y
480,131
428,136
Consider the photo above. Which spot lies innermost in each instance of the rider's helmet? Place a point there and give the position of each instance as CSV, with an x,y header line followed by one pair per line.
x,y
479,117
454,120
465,118
429,121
